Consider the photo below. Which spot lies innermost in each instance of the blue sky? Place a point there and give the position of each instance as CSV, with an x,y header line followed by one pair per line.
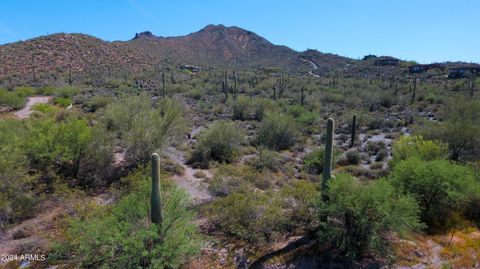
x,y
422,30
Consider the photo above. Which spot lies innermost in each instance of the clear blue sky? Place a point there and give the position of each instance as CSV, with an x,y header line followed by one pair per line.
x,y
422,30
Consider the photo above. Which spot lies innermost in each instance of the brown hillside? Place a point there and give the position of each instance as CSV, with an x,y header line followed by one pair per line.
x,y
59,53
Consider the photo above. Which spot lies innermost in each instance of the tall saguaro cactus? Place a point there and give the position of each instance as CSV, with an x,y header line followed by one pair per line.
x,y
414,91
155,200
354,128
328,158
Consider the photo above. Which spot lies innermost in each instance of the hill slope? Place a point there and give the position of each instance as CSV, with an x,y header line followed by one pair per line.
x,y
215,45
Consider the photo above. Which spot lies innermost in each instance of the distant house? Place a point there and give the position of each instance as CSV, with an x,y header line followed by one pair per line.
x,y
463,71
191,68
417,68
386,61
420,68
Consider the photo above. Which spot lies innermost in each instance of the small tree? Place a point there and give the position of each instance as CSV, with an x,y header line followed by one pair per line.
x,y
440,187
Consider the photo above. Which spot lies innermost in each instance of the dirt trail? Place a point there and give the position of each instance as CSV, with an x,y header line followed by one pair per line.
x,y
31,101
193,185
314,65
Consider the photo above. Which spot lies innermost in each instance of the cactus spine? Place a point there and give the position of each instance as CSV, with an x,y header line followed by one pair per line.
x,y
328,158
354,128
155,200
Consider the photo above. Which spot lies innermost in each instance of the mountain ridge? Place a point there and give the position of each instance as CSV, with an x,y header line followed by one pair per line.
x,y
58,55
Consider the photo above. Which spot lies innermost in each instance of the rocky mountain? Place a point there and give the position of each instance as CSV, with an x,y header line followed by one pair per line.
x,y
217,45
58,55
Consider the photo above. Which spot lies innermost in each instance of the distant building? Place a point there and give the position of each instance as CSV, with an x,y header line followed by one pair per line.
x,y
386,61
420,68
463,71
191,68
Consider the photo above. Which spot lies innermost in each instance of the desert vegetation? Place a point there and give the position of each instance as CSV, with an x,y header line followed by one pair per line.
x,y
255,166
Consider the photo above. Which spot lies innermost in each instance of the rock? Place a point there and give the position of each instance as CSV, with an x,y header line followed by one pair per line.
x,y
241,261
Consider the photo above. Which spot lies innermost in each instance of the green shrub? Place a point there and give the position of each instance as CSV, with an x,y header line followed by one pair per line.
x,y
360,216
17,201
299,198
44,108
11,99
24,91
71,148
241,108
307,119
62,101
353,157
440,187
142,127
460,130
416,146
97,102
266,159
261,106
313,161
277,131
219,142
252,215
229,179
122,236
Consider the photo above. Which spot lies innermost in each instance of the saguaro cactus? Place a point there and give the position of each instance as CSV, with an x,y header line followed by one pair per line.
x,y
414,91
354,128
155,200
328,158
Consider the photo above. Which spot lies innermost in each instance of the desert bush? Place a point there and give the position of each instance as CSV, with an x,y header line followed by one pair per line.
x,y
252,216
231,178
219,142
17,200
97,102
71,148
266,159
416,146
61,144
440,187
241,108
62,101
142,127
460,130
313,161
261,106
122,236
353,157
299,198
11,99
277,131
360,216
44,108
